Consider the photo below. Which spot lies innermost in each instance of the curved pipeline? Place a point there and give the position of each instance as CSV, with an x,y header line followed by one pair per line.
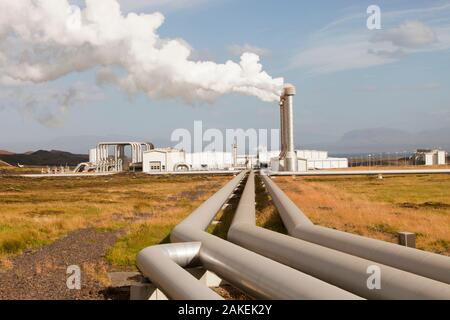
x,y
419,262
164,264
256,275
340,269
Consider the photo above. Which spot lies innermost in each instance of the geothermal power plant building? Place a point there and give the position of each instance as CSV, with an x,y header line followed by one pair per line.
x,y
172,160
166,160
143,156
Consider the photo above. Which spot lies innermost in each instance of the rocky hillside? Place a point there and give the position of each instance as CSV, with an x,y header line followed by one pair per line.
x,y
44,158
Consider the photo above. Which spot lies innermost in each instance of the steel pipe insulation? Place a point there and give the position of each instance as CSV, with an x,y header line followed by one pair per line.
x,y
337,268
163,265
415,261
256,275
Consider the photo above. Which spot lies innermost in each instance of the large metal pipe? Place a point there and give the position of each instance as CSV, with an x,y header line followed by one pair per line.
x,y
256,275
337,268
164,264
121,150
423,263
134,153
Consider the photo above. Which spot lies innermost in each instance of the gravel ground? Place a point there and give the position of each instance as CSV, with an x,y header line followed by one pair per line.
x,y
41,274
229,292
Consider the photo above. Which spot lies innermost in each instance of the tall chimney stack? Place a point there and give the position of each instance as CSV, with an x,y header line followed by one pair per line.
x,y
287,131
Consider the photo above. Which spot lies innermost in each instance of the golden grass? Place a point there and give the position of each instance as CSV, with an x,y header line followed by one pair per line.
x,y
266,214
378,208
35,212
10,170
97,272
399,167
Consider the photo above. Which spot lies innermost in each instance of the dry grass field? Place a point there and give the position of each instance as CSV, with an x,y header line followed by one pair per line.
x,y
143,209
399,167
7,169
378,208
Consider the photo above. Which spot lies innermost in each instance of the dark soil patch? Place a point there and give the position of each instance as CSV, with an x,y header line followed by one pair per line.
x,y
188,195
41,274
41,213
325,208
231,293
430,205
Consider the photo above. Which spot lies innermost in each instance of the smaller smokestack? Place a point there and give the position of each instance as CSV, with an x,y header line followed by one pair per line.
x,y
282,133
234,153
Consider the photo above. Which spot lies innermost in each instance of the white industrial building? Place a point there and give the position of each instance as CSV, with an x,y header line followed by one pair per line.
x,y
164,160
210,160
306,160
320,160
172,160
274,165
432,157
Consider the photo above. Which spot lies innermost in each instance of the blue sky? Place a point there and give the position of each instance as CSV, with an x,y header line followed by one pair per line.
x,y
347,77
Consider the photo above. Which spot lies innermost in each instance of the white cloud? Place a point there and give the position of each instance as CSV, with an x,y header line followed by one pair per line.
x,y
238,50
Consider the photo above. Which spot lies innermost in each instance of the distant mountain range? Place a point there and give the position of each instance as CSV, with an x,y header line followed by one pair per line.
x,y
356,141
43,158
386,140
77,144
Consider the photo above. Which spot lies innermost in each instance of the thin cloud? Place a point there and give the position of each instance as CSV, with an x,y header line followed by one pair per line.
x,y
411,34
415,13
165,5
431,86
346,44
130,5
238,50
48,105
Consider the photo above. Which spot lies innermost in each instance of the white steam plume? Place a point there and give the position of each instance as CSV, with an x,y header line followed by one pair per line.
x,y
44,40
45,104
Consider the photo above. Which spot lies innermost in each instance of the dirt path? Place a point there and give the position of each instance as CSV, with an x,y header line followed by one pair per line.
x,y
41,274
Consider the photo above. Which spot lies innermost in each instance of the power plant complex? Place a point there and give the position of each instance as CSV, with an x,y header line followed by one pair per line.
x,y
245,215
143,156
